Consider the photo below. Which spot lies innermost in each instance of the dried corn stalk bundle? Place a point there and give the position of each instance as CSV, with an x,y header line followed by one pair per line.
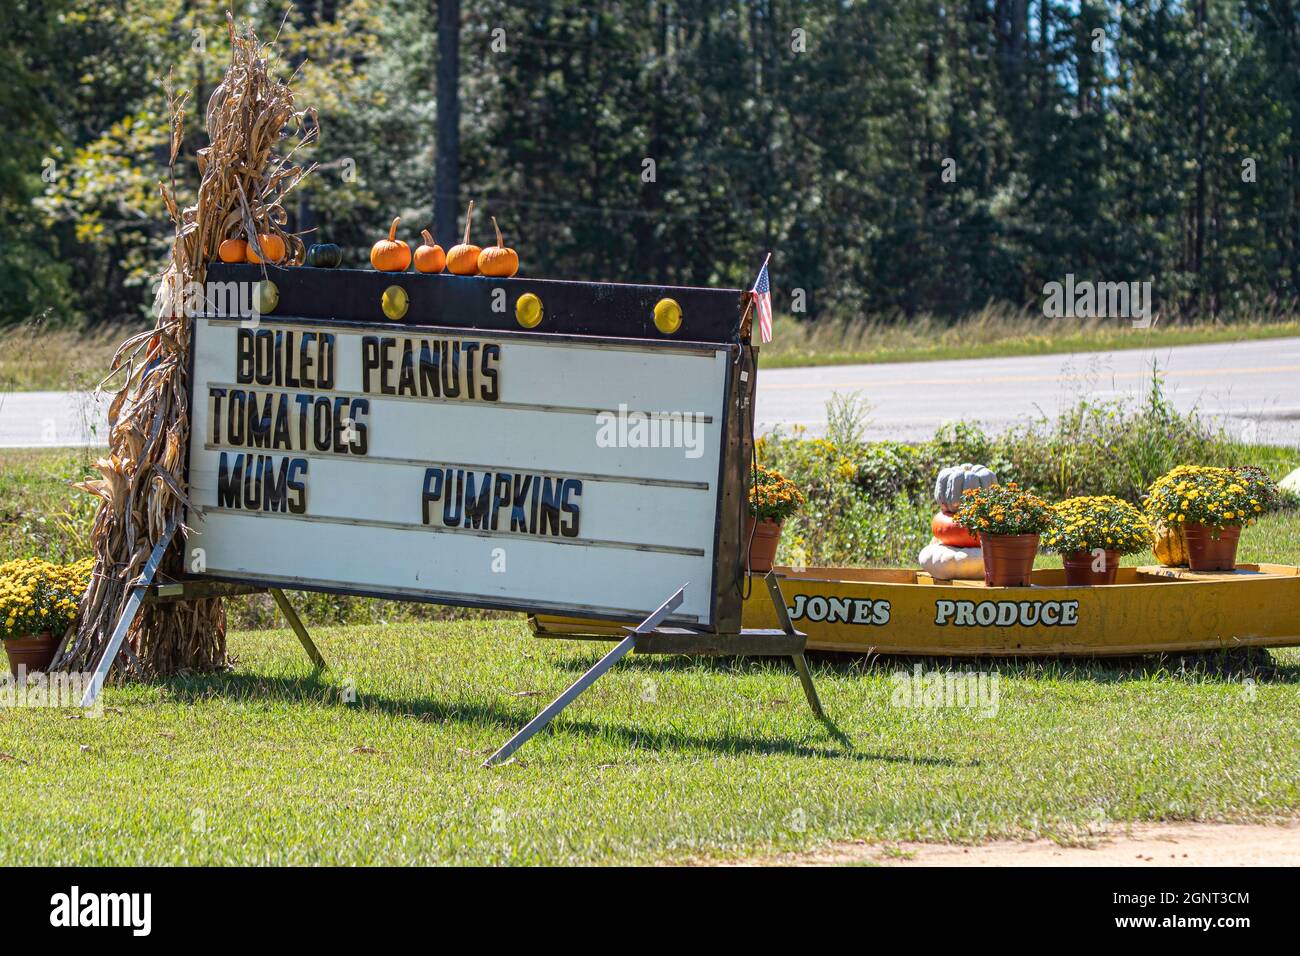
x,y
241,192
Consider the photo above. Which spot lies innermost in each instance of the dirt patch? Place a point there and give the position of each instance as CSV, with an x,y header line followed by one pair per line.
x,y
1162,844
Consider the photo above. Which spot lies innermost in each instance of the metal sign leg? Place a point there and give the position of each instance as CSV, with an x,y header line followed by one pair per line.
x,y
295,622
586,680
128,616
800,663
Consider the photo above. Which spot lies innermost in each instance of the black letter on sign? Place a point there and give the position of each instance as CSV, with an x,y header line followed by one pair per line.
x,y
276,497
360,408
228,481
298,502
491,356
244,357
217,394
572,490
550,523
518,516
432,490
500,497
478,509
453,504
369,360
325,361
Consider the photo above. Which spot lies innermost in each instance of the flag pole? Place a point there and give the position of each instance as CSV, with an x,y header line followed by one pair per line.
x,y
749,294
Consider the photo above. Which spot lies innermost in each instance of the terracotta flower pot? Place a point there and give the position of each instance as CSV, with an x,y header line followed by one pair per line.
x,y
1079,568
36,651
1211,549
763,544
1008,559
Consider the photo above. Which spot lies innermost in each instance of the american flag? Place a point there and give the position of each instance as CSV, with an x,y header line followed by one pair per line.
x,y
762,293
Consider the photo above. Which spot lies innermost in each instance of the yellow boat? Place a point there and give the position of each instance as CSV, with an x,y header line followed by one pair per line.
x,y
1148,610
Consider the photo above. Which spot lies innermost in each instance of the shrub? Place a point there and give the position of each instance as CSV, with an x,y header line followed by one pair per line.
x,y
1108,448
886,469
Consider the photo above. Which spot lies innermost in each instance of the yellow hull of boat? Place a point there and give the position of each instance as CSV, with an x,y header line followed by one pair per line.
x,y
895,611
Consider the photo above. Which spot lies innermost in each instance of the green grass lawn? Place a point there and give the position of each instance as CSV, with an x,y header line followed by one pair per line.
x,y
664,759
377,760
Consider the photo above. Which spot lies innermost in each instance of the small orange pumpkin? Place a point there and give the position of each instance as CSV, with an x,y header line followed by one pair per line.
x,y
391,254
272,247
462,259
498,261
233,250
429,257
947,531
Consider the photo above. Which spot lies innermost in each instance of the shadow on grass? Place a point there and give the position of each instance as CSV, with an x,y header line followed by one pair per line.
x,y
314,689
1211,667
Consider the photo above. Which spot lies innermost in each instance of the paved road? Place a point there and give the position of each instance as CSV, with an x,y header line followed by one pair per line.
x,y
1253,388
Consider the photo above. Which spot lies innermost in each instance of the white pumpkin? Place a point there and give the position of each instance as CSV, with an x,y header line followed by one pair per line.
x,y
951,564
953,483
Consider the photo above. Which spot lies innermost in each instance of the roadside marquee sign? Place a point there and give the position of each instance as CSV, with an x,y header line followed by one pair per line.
x,y
590,466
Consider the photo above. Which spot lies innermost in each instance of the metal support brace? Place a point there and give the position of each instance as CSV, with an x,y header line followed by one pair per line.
x,y
800,664
128,616
587,679
649,638
145,590
295,622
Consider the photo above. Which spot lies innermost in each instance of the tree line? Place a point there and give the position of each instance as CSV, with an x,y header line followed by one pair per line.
x,y
897,158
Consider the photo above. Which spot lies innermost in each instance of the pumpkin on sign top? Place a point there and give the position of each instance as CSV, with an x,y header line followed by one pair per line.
x,y
462,259
272,247
498,261
429,257
233,250
391,254
955,481
324,255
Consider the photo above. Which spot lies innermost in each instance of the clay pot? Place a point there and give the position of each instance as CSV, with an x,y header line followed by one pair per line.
x,y
763,544
1079,571
1211,549
35,650
1008,559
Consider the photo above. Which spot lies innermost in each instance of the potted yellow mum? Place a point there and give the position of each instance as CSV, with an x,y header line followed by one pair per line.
x,y
38,602
772,498
1091,533
1211,506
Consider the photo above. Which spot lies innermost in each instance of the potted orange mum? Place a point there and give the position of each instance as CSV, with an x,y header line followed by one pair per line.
x,y
772,498
1009,522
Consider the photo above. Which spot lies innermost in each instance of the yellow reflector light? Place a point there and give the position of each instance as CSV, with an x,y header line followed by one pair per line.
x,y
395,302
668,316
528,310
